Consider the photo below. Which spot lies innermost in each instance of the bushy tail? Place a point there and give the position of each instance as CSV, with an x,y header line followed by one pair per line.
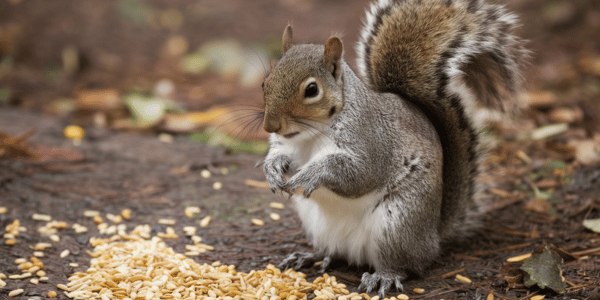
x,y
450,58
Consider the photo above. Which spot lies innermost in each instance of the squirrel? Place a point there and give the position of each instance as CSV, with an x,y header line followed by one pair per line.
x,y
382,168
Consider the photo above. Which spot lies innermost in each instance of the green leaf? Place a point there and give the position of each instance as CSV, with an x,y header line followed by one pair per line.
x,y
146,111
544,271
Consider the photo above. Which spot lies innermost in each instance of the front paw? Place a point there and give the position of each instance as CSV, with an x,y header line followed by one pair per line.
x,y
275,169
308,181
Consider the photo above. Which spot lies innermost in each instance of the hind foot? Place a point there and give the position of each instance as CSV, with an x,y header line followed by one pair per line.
x,y
298,260
384,280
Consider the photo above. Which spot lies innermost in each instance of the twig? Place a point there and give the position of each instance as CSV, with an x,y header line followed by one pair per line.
x,y
586,252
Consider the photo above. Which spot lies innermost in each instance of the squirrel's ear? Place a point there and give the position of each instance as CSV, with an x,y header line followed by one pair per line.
x,y
334,49
286,40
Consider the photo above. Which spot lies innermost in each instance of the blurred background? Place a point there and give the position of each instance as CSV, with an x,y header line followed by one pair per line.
x,y
184,66
108,104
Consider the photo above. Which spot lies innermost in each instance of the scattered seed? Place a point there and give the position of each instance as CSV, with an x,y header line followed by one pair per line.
x,y
55,238
165,138
2,276
523,156
205,173
538,297
191,211
518,258
52,294
256,184
38,253
167,221
419,290
258,222
65,253
98,219
126,214
277,205
3,210
74,265
2,283
205,221
196,239
463,279
34,280
402,297
62,287
490,296
114,218
10,242
15,293
40,273
91,213
275,216
42,246
189,230
217,186
41,217
79,228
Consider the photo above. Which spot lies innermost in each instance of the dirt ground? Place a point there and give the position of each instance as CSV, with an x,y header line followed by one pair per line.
x,y
537,191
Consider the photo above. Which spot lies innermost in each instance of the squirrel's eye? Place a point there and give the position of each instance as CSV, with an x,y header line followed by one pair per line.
x,y
312,90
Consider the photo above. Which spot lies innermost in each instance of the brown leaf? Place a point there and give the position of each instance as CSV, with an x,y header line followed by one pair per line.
x,y
539,99
98,100
544,270
587,151
538,205
566,115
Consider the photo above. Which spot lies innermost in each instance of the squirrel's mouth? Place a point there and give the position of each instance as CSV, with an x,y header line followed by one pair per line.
x,y
291,135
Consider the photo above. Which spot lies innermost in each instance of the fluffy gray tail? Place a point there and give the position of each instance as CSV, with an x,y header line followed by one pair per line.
x,y
453,59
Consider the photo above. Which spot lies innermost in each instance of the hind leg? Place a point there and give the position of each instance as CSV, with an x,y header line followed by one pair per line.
x,y
409,242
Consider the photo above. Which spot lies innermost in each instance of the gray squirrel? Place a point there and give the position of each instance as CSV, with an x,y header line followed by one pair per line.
x,y
382,168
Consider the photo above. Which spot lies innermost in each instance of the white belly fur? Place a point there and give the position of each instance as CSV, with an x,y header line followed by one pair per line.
x,y
345,228
336,226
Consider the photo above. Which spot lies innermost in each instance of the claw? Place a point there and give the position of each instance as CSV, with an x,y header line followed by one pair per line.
x,y
325,264
299,260
385,280
259,163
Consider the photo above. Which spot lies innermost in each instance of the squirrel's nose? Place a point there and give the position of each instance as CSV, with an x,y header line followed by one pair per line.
x,y
272,124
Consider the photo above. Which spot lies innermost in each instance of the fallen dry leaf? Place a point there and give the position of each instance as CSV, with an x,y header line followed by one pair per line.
x,y
538,205
538,99
592,224
544,270
193,120
98,100
565,115
587,151
547,131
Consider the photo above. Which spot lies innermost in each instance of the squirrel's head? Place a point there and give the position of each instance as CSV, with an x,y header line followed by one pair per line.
x,y
304,88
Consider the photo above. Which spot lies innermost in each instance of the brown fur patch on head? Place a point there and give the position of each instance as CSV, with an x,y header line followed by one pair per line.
x,y
284,87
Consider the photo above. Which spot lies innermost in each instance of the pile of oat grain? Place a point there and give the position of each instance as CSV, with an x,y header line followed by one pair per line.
x,y
136,268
